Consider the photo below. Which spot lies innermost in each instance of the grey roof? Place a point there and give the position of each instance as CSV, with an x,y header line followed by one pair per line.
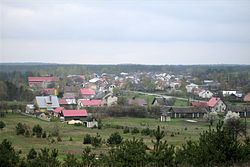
x,y
140,102
42,101
186,109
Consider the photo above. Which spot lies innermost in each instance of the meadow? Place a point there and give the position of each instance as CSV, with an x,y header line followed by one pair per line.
x,y
177,131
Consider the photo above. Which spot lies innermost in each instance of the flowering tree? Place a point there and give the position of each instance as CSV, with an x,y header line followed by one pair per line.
x,y
233,124
211,117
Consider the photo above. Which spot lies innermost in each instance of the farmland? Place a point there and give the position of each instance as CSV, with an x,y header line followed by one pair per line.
x,y
176,132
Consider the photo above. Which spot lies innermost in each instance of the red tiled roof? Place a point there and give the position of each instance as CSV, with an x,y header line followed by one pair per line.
x,y
70,113
58,109
213,101
82,77
92,102
69,97
87,91
52,89
62,101
199,104
247,97
42,79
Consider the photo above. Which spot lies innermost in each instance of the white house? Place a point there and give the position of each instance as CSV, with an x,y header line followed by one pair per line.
x,y
228,93
206,94
191,87
216,105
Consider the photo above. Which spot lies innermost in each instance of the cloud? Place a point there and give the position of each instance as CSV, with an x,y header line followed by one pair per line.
x,y
127,22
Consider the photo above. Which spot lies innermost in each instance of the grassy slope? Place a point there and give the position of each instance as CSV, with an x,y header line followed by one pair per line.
x,y
182,131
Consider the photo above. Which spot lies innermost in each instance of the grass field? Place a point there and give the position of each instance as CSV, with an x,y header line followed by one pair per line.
x,y
181,130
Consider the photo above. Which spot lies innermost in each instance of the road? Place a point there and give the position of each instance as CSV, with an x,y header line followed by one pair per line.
x,y
167,97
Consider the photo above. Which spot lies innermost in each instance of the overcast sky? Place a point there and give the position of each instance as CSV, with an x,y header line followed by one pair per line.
x,y
119,32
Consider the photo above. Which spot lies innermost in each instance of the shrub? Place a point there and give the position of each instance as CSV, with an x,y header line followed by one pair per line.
x,y
20,129
37,130
135,130
172,134
27,133
114,139
77,124
2,125
96,141
146,132
87,139
70,139
59,139
126,130
55,131
32,154
44,134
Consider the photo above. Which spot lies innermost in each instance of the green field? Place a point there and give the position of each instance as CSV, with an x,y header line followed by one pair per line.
x,y
181,130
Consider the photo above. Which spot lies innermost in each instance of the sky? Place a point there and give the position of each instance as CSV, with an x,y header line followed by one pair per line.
x,y
125,32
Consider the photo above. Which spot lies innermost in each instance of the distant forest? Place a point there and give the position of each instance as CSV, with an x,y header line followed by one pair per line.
x,y
115,69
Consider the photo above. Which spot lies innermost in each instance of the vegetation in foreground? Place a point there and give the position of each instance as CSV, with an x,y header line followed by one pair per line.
x,y
214,147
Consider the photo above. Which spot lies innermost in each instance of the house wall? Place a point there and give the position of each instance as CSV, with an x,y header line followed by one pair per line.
x,y
82,118
219,107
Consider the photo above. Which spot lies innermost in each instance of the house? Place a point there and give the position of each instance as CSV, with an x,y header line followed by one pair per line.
x,y
247,97
185,112
57,111
67,115
70,91
216,105
228,93
68,103
52,91
90,103
162,101
243,110
199,104
137,101
206,94
43,82
30,108
47,103
109,100
87,93
165,116
91,122
191,87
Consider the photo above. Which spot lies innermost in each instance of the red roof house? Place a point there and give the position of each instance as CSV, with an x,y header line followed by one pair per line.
x,y
74,114
88,103
199,104
42,79
213,101
58,109
87,91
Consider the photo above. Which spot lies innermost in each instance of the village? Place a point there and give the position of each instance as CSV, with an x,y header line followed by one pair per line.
x,y
71,98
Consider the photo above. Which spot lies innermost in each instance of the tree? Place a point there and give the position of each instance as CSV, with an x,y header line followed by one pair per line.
x,y
87,139
32,154
8,156
20,129
211,117
37,130
233,124
55,131
2,125
114,139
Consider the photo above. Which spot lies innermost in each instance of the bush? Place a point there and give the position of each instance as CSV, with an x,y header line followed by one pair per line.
x,y
55,131
135,130
20,129
126,130
114,139
87,139
44,134
96,141
59,139
27,133
146,132
78,124
70,139
37,130
2,125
